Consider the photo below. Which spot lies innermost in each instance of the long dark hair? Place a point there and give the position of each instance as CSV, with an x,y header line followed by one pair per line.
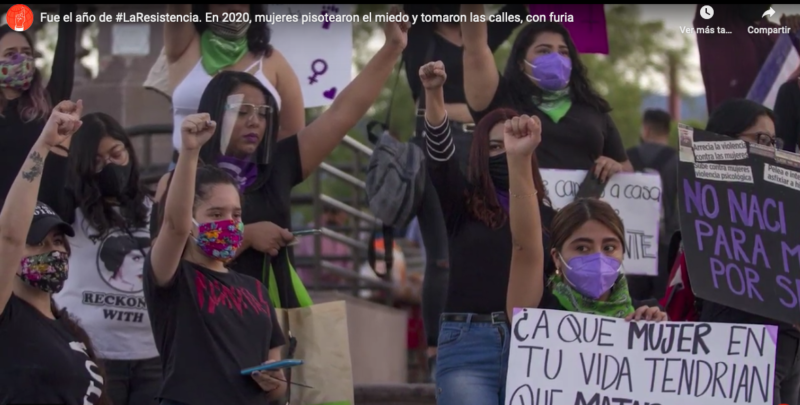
x,y
81,183
79,333
206,177
734,116
258,35
214,102
481,197
34,103
581,89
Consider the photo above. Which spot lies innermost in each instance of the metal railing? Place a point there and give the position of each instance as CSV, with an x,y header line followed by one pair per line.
x,y
360,220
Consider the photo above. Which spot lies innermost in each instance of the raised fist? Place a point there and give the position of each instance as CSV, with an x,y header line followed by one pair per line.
x,y
396,32
62,123
522,135
196,130
432,75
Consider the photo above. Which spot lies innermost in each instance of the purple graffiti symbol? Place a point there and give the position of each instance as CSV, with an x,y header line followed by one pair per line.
x,y
318,68
330,94
328,9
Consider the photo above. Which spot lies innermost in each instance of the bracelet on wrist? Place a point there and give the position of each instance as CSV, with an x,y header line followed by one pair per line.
x,y
533,194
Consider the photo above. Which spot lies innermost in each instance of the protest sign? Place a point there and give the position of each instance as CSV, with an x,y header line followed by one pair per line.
x,y
320,53
637,199
568,358
738,214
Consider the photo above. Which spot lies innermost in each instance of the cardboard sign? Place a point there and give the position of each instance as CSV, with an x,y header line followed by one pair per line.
x,y
568,358
637,199
738,214
321,54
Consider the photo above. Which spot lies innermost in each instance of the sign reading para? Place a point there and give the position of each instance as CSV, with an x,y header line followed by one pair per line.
x,y
736,216
568,358
637,199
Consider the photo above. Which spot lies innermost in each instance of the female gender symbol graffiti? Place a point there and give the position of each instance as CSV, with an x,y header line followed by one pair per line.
x,y
318,68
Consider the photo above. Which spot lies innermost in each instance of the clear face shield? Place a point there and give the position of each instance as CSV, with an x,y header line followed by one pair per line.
x,y
249,121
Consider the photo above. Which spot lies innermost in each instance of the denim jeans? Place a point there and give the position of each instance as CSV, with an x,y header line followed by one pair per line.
x,y
787,371
133,382
471,363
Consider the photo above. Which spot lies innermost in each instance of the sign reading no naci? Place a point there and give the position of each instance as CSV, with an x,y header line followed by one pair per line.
x,y
739,216
567,358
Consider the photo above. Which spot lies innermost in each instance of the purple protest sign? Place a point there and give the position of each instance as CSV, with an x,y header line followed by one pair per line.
x,y
588,29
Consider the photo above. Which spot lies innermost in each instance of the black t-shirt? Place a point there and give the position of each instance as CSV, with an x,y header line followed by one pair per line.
x,y
574,142
425,45
208,327
480,256
42,362
269,199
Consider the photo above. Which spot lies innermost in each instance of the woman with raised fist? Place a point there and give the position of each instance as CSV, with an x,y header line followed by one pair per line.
x,y
46,357
205,339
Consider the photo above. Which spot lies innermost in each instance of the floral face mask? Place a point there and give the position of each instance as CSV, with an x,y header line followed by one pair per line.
x,y
47,271
17,72
220,239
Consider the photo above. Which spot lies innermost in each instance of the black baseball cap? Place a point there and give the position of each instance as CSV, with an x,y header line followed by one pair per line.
x,y
44,221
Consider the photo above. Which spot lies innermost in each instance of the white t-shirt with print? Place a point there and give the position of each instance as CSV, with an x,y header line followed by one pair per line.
x,y
104,290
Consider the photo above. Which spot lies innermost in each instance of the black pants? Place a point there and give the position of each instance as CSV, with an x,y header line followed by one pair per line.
x,y
434,237
787,371
133,382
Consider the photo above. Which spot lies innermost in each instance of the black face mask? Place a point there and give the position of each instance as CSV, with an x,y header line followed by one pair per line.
x,y
113,179
498,171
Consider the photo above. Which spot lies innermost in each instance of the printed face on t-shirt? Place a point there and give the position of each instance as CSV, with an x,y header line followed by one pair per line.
x,y
121,259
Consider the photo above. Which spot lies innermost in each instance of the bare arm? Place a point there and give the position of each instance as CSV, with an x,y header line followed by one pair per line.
x,y
177,223
15,218
458,112
293,113
525,283
319,138
178,35
435,112
481,77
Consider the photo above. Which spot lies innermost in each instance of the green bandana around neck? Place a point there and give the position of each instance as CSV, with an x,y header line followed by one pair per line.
x,y
219,53
555,104
618,304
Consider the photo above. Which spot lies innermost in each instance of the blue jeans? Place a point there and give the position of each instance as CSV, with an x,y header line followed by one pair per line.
x,y
471,363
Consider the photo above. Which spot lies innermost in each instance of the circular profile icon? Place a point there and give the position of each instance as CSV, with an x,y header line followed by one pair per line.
x,y
120,261
19,17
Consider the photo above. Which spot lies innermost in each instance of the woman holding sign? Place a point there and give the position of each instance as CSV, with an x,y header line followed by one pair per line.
x,y
587,239
544,76
752,122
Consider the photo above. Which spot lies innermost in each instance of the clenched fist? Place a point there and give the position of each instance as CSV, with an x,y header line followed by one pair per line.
x,y
196,130
62,124
522,135
432,75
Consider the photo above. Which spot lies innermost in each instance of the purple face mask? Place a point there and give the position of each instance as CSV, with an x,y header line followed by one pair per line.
x,y
551,72
592,275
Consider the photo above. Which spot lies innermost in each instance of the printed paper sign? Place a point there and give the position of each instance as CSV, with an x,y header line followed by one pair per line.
x,y
568,358
742,249
320,53
637,199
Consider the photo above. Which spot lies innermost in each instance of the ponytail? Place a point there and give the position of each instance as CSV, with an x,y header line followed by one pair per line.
x,y
73,327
